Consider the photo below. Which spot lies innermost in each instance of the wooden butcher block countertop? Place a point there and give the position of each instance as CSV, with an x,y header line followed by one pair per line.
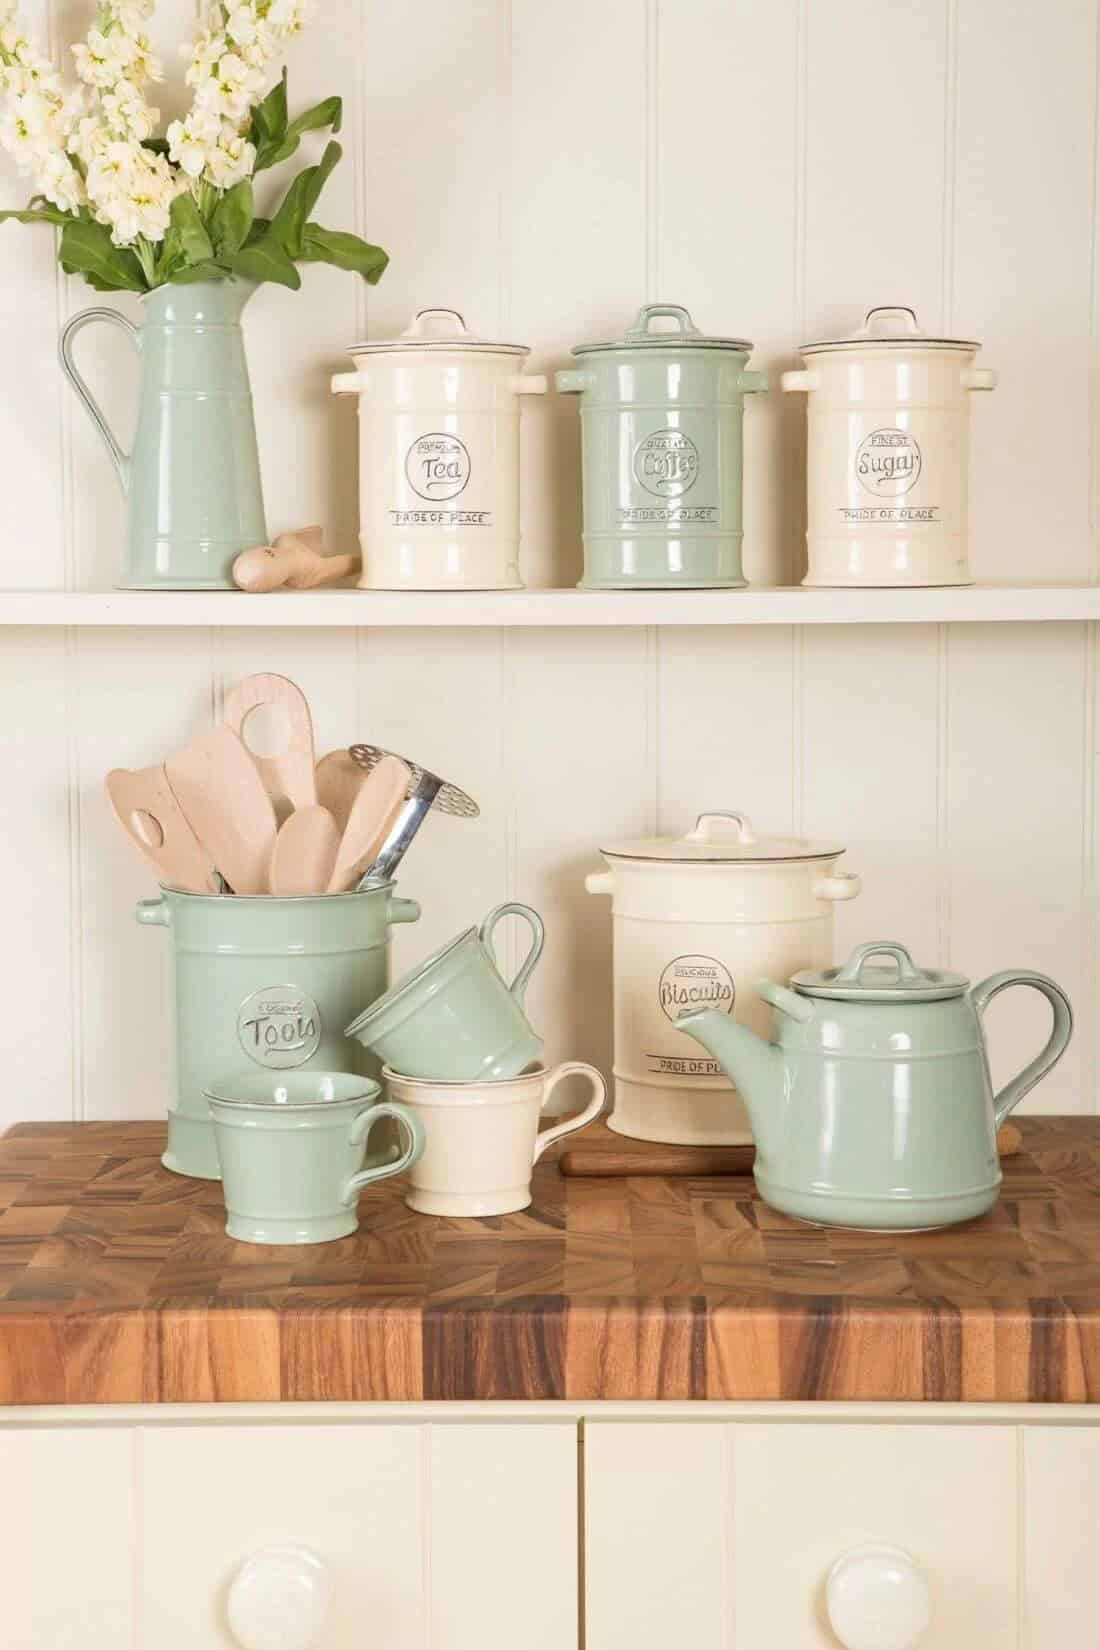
x,y
118,1285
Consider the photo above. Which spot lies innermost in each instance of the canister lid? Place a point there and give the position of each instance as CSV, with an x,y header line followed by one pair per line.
x,y
685,334
717,838
898,982
438,329
891,325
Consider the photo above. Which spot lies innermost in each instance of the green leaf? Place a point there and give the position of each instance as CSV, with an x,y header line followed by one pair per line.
x,y
208,271
260,227
280,146
335,246
40,214
191,239
87,249
269,118
158,146
231,218
265,260
288,226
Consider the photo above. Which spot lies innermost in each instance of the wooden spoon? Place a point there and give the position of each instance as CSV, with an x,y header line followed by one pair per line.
x,y
339,779
145,806
378,800
224,800
288,773
304,854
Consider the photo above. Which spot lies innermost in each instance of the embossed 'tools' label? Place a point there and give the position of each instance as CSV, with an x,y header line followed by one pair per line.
x,y
279,1026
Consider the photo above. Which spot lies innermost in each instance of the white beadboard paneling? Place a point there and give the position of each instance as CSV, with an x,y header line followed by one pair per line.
x,y
498,1580
35,827
725,726
874,159
868,763
439,699
578,231
579,747
1016,835
735,268
657,1511
1023,276
137,699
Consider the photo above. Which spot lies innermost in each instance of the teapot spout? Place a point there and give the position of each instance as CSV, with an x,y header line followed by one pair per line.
x,y
754,1066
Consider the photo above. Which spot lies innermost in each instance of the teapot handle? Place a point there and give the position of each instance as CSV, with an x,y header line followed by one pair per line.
x,y
1061,1031
119,458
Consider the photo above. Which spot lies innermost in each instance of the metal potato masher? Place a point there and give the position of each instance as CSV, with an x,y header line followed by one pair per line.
x,y
426,790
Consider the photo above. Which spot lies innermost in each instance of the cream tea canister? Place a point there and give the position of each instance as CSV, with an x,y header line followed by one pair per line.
x,y
697,920
439,456
887,453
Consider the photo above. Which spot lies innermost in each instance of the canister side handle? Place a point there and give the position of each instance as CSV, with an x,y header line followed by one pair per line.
x,y
345,383
800,381
152,912
599,882
529,383
978,378
573,381
750,382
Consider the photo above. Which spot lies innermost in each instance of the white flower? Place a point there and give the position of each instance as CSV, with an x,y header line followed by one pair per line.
x,y
204,54
104,58
132,190
61,183
232,160
191,141
126,111
233,92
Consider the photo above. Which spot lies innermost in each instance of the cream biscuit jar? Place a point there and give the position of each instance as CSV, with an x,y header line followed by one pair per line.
x,y
887,453
439,456
697,920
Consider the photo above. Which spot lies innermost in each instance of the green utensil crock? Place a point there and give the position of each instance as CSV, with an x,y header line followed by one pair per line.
x,y
453,1018
291,1146
192,478
266,984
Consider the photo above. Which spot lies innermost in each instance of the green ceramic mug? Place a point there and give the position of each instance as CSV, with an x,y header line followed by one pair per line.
x,y
292,1145
454,1019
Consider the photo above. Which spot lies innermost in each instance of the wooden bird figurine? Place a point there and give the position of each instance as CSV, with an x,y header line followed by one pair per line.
x,y
295,560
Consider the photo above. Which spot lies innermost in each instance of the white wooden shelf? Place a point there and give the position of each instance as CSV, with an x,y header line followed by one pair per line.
x,y
986,603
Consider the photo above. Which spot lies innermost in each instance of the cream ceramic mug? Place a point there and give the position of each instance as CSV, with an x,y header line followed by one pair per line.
x,y
481,1140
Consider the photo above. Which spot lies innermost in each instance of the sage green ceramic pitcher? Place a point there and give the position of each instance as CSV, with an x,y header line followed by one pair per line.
x,y
192,477
873,1107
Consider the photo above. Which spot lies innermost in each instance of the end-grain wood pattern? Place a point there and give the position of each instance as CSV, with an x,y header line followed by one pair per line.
x,y
119,1285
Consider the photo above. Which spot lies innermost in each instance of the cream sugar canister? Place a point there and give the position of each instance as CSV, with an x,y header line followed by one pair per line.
x,y
439,456
887,451
697,920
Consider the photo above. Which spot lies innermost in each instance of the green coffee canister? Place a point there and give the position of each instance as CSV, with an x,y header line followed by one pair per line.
x,y
661,418
266,984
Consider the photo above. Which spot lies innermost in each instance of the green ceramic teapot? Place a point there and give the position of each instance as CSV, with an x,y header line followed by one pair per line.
x,y
874,1107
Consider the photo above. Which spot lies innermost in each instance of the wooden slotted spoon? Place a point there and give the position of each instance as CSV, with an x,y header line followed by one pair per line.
x,y
145,806
287,774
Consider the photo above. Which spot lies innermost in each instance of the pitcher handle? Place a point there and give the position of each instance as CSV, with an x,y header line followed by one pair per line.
x,y
362,1123
119,457
588,1115
538,936
1061,1031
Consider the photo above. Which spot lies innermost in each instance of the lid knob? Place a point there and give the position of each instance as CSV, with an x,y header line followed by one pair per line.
x,y
685,326
889,319
852,972
416,329
703,832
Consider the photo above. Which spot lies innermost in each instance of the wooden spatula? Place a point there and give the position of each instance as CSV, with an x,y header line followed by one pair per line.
x,y
377,801
288,773
339,780
146,808
304,854
225,802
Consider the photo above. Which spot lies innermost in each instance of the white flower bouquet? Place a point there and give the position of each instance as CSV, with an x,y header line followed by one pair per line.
x,y
136,210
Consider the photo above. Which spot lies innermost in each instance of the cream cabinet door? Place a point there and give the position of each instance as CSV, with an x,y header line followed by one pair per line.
x,y
1061,1537
66,1575
336,1537
722,1536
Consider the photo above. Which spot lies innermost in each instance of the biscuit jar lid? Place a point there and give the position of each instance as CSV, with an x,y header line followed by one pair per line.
x,y
890,326
721,838
684,334
438,329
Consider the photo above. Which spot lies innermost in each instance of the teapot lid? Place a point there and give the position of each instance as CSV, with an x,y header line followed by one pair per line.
x,y
437,329
685,334
904,982
706,844
889,324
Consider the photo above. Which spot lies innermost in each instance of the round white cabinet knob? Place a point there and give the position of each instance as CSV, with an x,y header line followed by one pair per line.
x,y
278,1600
877,1598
